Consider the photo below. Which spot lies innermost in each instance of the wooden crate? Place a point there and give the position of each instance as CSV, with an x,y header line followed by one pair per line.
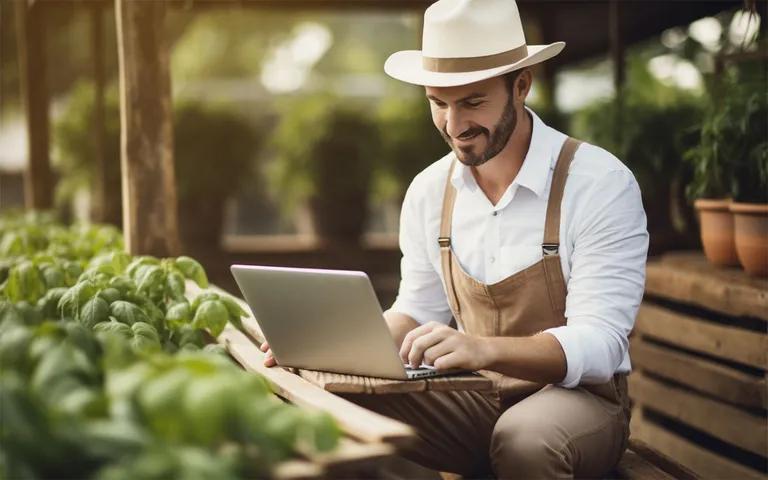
x,y
700,355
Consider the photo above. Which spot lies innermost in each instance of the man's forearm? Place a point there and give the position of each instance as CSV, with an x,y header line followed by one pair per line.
x,y
399,325
539,358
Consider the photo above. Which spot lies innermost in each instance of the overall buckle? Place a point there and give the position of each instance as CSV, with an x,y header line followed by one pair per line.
x,y
444,242
550,249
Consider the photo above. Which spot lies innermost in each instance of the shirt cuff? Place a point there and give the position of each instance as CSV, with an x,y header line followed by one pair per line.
x,y
571,342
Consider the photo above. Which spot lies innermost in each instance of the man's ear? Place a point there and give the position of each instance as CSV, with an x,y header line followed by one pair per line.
x,y
523,83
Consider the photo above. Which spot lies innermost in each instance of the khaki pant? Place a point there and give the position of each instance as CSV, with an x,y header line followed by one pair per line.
x,y
554,433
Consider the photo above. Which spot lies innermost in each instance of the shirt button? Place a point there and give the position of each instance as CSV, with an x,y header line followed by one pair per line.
x,y
493,259
495,213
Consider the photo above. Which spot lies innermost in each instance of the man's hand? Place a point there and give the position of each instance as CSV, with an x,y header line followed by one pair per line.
x,y
269,359
444,347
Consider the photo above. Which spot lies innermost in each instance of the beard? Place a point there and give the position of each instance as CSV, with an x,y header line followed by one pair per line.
x,y
496,141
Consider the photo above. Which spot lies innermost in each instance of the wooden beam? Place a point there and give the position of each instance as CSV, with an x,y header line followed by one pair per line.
x,y
702,461
105,190
688,278
731,343
705,376
735,426
30,32
150,219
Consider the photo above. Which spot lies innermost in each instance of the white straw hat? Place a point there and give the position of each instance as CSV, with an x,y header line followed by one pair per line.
x,y
465,41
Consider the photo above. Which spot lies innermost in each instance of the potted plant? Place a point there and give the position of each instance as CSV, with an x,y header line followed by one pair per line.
x,y
711,184
750,183
325,152
214,156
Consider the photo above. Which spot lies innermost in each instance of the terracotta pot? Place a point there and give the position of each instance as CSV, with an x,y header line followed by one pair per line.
x,y
716,223
751,234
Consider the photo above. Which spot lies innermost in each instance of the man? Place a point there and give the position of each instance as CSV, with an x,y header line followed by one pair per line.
x,y
534,243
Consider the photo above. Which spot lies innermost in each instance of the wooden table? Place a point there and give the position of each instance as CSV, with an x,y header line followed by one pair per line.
x,y
700,355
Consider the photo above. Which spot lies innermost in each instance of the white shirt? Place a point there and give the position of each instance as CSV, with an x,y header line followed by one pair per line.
x,y
603,246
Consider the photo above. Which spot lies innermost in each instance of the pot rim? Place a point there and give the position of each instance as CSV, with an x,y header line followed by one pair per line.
x,y
749,208
712,204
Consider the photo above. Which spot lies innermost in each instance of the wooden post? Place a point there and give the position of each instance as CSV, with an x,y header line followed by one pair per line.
x,y
30,31
105,192
617,54
149,189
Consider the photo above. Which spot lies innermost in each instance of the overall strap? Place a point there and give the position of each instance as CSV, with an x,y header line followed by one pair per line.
x,y
444,240
551,246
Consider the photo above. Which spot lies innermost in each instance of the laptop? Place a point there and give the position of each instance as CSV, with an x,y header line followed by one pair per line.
x,y
326,320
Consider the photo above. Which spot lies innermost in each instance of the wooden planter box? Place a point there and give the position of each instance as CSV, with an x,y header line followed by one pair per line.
x,y
700,355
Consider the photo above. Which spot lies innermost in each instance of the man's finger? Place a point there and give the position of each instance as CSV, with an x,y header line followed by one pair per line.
x,y
269,359
264,346
422,343
417,332
451,360
438,350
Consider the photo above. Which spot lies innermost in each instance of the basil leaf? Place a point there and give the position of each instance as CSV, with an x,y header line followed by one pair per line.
x,y
127,313
211,315
192,270
96,310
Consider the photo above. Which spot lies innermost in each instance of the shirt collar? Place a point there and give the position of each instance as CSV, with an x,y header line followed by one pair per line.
x,y
537,164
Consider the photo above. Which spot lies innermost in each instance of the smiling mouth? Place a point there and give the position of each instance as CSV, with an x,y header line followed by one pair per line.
x,y
467,139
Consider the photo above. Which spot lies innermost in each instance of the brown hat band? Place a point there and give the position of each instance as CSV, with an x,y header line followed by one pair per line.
x,y
472,64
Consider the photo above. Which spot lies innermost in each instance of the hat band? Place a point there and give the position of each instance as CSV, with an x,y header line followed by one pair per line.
x,y
471,64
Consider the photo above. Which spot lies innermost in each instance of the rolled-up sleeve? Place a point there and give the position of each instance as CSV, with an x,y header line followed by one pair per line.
x,y
421,294
606,281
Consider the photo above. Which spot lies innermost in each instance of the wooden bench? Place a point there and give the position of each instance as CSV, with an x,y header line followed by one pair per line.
x,y
700,355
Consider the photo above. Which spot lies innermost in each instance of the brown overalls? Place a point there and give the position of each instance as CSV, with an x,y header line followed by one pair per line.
x,y
521,429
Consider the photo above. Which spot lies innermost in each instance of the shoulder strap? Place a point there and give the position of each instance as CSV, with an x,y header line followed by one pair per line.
x,y
551,243
444,240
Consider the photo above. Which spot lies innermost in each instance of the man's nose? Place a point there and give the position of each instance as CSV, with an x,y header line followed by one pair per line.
x,y
455,125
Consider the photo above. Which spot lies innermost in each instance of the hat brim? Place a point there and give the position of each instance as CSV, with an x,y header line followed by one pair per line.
x,y
407,66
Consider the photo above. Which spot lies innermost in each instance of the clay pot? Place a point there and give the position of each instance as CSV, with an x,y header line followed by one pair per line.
x,y
751,236
716,223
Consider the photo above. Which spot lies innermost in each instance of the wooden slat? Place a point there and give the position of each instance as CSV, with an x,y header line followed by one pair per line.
x,y
701,461
298,470
705,376
635,467
731,343
723,421
689,278
351,453
658,459
353,419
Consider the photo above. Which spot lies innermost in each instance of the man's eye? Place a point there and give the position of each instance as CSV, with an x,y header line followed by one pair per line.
x,y
473,105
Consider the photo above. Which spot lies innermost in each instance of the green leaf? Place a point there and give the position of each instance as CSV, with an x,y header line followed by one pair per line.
x,y
71,302
178,314
127,313
96,310
211,315
149,276
110,294
233,307
54,277
192,270
49,304
114,327
176,285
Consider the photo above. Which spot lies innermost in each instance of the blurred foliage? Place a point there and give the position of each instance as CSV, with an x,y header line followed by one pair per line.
x,y
410,143
731,158
214,151
74,142
650,130
324,147
214,148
